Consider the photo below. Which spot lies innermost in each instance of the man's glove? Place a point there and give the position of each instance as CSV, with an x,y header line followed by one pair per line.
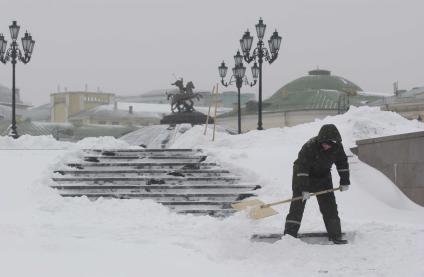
x,y
344,187
305,195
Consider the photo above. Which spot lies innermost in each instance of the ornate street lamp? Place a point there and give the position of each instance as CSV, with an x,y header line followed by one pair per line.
x,y
260,53
239,77
14,54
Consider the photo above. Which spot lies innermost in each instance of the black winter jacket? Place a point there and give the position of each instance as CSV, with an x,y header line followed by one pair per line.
x,y
314,162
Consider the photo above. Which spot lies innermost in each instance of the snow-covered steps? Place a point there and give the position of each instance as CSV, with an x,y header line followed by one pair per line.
x,y
144,165
163,180
114,190
145,172
181,179
211,212
163,196
98,158
165,152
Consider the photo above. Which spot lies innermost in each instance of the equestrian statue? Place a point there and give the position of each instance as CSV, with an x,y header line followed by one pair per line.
x,y
181,101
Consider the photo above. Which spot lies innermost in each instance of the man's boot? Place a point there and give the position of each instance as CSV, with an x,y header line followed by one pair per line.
x,y
334,231
290,234
337,240
291,228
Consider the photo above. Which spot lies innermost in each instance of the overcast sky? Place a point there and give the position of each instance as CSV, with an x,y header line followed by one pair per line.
x,y
132,46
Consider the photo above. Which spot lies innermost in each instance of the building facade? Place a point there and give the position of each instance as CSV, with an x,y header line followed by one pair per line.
x,y
123,114
229,99
6,104
66,104
409,104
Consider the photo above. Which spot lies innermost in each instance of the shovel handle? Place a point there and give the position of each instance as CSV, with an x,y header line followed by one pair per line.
x,y
298,198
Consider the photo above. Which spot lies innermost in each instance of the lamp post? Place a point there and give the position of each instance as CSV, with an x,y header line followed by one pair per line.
x,y
239,77
14,54
260,53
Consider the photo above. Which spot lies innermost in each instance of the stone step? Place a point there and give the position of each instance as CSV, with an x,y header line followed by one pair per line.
x,y
163,196
128,159
147,154
146,180
180,189
135,157
197,205
148,175
182,165
210,212
145,172
145,150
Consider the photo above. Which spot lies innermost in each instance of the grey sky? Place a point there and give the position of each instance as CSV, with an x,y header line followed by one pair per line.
x,y
129,47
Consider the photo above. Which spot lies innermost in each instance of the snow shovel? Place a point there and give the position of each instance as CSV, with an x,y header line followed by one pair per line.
x,y
258,209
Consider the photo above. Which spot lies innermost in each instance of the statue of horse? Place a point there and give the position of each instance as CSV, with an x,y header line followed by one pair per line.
x,y
191,95
182,100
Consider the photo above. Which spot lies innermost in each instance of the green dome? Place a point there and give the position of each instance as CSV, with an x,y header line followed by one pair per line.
x,y
318,79
318,90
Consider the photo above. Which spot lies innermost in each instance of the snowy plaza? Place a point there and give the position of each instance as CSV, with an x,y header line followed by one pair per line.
x,y
189,138
43,234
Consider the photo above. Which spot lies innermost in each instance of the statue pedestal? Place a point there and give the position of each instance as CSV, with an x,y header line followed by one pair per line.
x,y
193,118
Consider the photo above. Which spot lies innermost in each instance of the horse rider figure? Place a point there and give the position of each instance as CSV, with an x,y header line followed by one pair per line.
x,y
182,101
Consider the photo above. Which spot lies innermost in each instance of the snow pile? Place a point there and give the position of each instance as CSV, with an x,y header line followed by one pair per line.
x,y
356,124
42,234
30,142
102,143
266,157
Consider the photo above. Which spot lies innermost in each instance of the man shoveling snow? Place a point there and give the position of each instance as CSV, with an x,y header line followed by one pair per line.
x,y
312,173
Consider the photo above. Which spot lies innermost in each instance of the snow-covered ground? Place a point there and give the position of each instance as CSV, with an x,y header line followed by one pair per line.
x,y
42,234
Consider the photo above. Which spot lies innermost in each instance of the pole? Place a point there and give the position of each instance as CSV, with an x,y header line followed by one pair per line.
x,y
13,132
239,112
260,90
239,81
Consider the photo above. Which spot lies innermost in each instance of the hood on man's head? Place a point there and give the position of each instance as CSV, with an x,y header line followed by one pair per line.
x,y
329,132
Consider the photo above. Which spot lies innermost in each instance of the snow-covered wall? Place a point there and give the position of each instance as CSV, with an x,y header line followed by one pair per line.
x,y
399,157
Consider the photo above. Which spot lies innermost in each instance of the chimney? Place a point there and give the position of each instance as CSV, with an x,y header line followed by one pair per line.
x,y
396,88
130,109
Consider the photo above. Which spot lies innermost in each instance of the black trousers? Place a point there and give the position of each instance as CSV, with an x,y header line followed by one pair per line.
x,y
327,205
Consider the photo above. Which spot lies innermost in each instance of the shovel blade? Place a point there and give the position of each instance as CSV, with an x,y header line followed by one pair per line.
x,y
258,212
246,204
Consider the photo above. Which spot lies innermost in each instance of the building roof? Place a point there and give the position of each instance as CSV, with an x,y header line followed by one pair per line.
x,y
6,96
407,97
82,92
6,112
318,90
146,110
122,111
413,92
31,128
66,131
317,80
40,113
